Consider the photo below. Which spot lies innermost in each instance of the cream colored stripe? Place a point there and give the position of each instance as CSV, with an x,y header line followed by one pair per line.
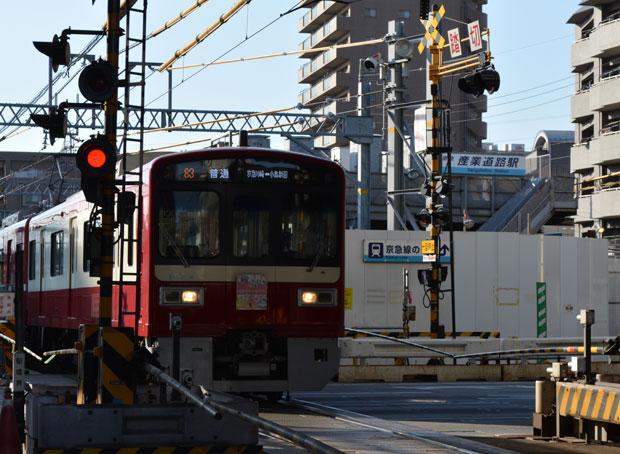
x,y
564,392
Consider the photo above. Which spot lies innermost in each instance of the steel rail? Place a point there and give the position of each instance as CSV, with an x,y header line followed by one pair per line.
x,y
216,409
533,351
400,341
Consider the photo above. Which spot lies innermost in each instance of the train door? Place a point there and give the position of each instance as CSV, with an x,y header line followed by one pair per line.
x,y
39,302
73,268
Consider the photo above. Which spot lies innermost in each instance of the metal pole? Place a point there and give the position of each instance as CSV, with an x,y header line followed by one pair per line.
x,y
107,210
434,228
395,142
363,158
451,226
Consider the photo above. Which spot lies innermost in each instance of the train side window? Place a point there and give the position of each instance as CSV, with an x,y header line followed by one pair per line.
x,y
56,255
32,260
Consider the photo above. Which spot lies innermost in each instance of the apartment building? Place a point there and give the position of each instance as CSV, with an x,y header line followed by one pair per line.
x,y
331,77
595,110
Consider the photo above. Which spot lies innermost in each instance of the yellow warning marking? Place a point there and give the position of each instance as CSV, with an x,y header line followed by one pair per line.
x,y
164,450
564,392
362,191
586,402
91,451
597,404
609,405
428,247
575,402
118,391
617,415
119,342
198,451
348,298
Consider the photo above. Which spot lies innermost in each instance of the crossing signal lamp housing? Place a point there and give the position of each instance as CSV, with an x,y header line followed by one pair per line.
x,y
96,159
58,50
98,81
485,79
424,9
55,122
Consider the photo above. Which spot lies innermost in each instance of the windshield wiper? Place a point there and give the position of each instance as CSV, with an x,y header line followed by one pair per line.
x,y
315,260
175,247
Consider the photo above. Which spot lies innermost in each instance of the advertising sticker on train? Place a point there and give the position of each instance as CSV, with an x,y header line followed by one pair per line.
x,y
454,38
251,292
475,37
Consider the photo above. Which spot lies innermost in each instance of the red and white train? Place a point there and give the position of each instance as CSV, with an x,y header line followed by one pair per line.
x,y
246,245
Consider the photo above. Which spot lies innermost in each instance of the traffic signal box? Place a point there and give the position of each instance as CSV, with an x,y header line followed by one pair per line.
x,y
96,159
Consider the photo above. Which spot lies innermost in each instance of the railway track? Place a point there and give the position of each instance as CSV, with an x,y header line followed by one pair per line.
x,y
355,432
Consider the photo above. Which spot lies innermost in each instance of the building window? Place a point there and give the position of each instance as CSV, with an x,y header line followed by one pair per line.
x,y
370,12
56,256
404,14
32,260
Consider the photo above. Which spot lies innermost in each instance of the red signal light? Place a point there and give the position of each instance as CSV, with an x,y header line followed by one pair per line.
x,y
96,158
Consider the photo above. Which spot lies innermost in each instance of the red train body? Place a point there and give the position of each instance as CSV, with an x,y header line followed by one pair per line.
x,y
245,246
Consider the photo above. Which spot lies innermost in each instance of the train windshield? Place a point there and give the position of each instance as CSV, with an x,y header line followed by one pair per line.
x,y
309,226
189,224
273,212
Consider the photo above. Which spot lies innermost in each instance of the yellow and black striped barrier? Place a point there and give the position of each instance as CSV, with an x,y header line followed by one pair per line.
x,y
117,377
88,365
399,334
161,450
7,328
593,402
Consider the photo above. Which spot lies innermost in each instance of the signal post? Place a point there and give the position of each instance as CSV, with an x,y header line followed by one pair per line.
x,y
437,187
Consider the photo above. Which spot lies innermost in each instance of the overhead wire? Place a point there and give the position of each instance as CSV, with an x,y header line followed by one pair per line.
x,y
205,34
186,12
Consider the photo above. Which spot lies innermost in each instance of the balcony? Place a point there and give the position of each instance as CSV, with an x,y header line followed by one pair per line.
x,y
321,65
327,34
580,105
330,141
326,111
606,204
582,54
478,128
321,90
605,37
318,15
605,95
602,150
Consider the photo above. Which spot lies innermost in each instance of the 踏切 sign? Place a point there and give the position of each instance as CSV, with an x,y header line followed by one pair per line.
x,y
454,41
475,36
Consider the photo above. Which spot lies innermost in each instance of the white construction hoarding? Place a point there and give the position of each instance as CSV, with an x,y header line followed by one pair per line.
x,y
496,282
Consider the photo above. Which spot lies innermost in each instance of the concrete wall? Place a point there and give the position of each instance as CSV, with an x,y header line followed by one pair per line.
x,y
496,276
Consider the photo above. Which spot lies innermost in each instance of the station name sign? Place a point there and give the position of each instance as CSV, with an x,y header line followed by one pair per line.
x,y
399,251
486,164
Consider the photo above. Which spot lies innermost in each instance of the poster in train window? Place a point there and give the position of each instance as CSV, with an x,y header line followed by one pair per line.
x,y
251,292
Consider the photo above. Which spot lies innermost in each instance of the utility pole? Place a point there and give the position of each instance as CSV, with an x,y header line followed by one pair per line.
x,y
363,159
394,90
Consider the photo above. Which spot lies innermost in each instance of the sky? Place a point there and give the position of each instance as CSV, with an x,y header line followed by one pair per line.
x,y
531,45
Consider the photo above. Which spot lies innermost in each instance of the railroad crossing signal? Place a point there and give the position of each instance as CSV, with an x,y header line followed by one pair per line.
x,y
432,32
480,80
98,81
96,159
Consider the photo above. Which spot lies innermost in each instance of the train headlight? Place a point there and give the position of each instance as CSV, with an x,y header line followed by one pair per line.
x,y
189,296
320,297
176,296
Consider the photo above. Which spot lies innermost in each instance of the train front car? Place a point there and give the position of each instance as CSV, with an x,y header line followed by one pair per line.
x,y
247,254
